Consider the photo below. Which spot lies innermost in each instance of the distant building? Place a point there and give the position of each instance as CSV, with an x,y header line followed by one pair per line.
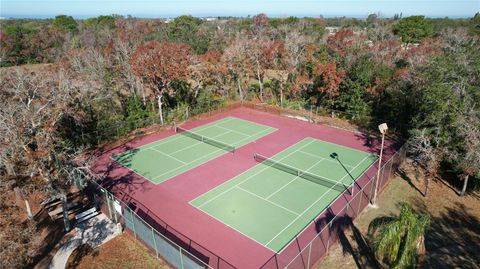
x,y
210,19
331,30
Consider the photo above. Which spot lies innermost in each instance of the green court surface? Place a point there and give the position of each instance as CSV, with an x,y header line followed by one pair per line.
x,y
272,206
166,158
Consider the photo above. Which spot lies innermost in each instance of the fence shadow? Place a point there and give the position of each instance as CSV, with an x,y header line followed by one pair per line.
x,y
353,244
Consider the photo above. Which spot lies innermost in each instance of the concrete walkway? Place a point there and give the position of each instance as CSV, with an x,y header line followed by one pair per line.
x,y
94,232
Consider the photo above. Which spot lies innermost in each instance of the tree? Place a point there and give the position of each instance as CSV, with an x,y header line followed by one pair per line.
x,y
426,151
260,22
475,23
372,18
314,28
14,45
238,63
264,53
65,24
468,155
341,42
100,22
329,79
209,71
295,55
400,239
412,29
186,29
158,65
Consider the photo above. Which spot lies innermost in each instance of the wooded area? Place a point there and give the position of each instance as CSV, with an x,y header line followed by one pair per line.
x,y
65,83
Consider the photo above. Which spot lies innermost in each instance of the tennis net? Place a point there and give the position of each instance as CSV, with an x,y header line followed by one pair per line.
x,y
338,186
204,139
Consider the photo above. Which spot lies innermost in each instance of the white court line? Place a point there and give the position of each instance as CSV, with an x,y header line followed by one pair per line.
x,y
164,154
176,136
344,146
268,201
314,203
234,131
238,142
328,205
308,153
198,143
191,146
233,228
294,179
267,130
258,172
248,121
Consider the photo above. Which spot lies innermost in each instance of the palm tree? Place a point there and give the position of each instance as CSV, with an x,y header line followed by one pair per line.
x,y
398,240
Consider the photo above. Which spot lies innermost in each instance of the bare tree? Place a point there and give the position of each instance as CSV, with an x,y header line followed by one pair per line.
x,y
423,148
468,157
238,64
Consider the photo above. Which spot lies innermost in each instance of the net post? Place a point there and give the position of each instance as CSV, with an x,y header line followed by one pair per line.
x,y
353,186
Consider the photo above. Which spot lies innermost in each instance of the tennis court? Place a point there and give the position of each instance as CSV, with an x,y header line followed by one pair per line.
x,y
275,200
169,157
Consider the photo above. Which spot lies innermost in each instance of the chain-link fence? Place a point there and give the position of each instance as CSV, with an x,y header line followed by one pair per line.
x,y
159,239
122,129
303,252
320,115
313,243
115,129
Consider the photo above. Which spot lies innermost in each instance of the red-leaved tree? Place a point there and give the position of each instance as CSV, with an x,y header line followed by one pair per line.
x,y
331,78
160,64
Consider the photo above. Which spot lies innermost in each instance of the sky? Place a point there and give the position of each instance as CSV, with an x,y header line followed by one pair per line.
x,y
205,8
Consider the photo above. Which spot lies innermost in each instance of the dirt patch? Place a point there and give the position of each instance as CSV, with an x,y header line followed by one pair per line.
x,y
120,252
453,241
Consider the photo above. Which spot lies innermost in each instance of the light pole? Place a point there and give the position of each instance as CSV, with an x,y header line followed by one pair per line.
x,y
383,129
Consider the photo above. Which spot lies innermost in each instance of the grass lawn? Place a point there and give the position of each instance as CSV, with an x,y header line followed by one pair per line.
x,y
120,252
453,240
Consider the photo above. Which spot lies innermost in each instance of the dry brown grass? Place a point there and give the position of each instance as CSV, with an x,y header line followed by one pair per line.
x,y
453,240
120,252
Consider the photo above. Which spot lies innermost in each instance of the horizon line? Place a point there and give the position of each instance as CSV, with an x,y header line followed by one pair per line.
x,y
206,15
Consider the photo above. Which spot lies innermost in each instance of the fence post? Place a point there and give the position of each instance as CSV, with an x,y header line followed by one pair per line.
x,y
154,241
309,253
329,234
107,198
360,192
181,257
133,223
374,182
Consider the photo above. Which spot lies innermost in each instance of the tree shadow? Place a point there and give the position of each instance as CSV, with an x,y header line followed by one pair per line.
x,y
52,233
128,181
355,244
402,173
449,176
453,240
78,254
373,143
